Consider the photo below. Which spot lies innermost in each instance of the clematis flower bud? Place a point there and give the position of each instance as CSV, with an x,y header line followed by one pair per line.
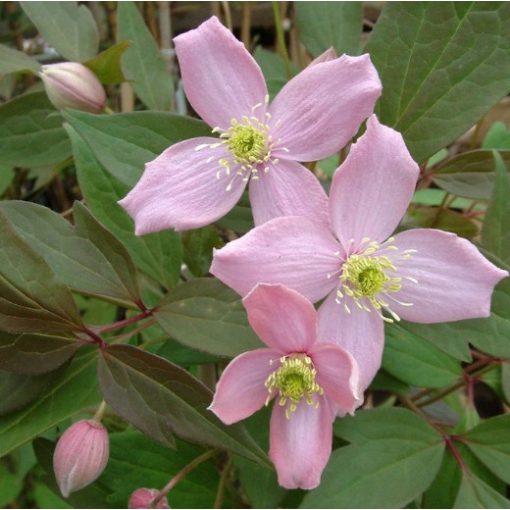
x,y
80,456
143,498
72,85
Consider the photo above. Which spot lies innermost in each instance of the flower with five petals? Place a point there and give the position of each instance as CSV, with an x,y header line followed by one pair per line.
x,y
366,275
197,181
310,383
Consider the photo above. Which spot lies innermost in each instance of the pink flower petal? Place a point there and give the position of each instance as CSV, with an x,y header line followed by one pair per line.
x,y
321,109
371,190
282,318
180,189
360,333
241,391
300,445
221,79
288,189
292,251
455,281
337,373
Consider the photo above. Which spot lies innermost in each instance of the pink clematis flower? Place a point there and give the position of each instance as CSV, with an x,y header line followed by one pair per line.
x,y
309,381
195,182
421,275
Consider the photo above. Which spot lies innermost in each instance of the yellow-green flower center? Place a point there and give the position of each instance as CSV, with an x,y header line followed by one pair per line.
x,y
366,276
247,143
294,380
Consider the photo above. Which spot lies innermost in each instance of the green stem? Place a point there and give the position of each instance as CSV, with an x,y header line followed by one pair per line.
x,y
281,38
100,412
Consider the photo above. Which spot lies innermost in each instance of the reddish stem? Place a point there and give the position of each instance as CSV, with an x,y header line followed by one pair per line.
x,y
124,322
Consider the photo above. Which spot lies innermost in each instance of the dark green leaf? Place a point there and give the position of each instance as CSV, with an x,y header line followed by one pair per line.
x,y
498,137
74,389
107,65
124,142
490,442
444,336
443,65
496,226
475,493
416,361
505,380
134,457
198,247
158,255
87,258
206,315
6,176
12,61
117,257
143,63
323,25
470,174
17,390
31,132
440,218
32,299
159,398
68,27
384,423
35,354
385,473
240,218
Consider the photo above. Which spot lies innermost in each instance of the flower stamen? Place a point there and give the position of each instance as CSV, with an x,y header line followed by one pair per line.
x,y
293,381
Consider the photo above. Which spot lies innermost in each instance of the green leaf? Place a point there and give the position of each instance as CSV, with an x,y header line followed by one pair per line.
x,y
323,25
31,132
68,27
416,361
490,335
384,423
6,176
124,142
33,299
134,457
10,486
450,475
497,137
13,61
198,248
444,336
206,315
273,69
107,65
158,255
475,493
35,354
17,390
440,218
240,218
505,380
117,257
490,442
74,389
88,258
382,473
442,65
143,63
159,398
46,498
496,226
470,174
